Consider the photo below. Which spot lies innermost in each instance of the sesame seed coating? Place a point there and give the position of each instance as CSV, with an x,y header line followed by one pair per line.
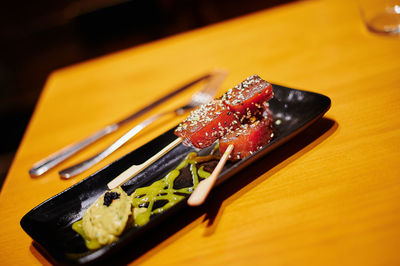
x,y
239,106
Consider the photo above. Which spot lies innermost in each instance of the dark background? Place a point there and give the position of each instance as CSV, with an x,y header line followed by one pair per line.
x,y
37,37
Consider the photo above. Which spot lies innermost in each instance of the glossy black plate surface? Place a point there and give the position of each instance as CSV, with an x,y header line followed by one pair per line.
x,y
49,224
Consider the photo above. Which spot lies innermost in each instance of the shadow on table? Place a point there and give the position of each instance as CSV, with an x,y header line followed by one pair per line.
x,y
184,221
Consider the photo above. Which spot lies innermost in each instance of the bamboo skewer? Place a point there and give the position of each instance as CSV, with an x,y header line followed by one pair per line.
x,y
202,190
136,169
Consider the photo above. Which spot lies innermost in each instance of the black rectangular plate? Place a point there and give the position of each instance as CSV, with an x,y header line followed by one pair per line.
x,y
49,224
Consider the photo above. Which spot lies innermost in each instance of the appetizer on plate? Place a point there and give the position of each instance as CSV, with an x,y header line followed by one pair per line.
x,y
49,223
239,117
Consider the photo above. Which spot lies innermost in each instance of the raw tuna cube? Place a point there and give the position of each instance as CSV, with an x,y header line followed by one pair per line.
x,y
247,138
212,121
249,97
207,124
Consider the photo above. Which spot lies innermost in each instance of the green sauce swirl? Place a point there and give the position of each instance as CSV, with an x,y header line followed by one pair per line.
x,y
164,190
144,199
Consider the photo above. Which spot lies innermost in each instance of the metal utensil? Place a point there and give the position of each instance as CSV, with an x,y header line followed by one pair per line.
x,y
200,97
56,158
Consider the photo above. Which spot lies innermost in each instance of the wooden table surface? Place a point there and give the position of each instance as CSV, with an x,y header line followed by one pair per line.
x,y
331,196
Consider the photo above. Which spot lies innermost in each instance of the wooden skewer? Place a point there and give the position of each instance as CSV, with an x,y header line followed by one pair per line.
x,y
201,192
136,169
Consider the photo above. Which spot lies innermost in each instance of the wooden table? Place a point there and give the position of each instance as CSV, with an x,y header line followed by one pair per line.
x,y
329,197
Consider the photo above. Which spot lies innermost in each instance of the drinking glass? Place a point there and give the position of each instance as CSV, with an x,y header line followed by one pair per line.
x,y
381,16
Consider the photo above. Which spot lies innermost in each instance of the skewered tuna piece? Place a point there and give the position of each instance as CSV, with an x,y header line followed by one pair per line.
x,y
248,138
222,116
